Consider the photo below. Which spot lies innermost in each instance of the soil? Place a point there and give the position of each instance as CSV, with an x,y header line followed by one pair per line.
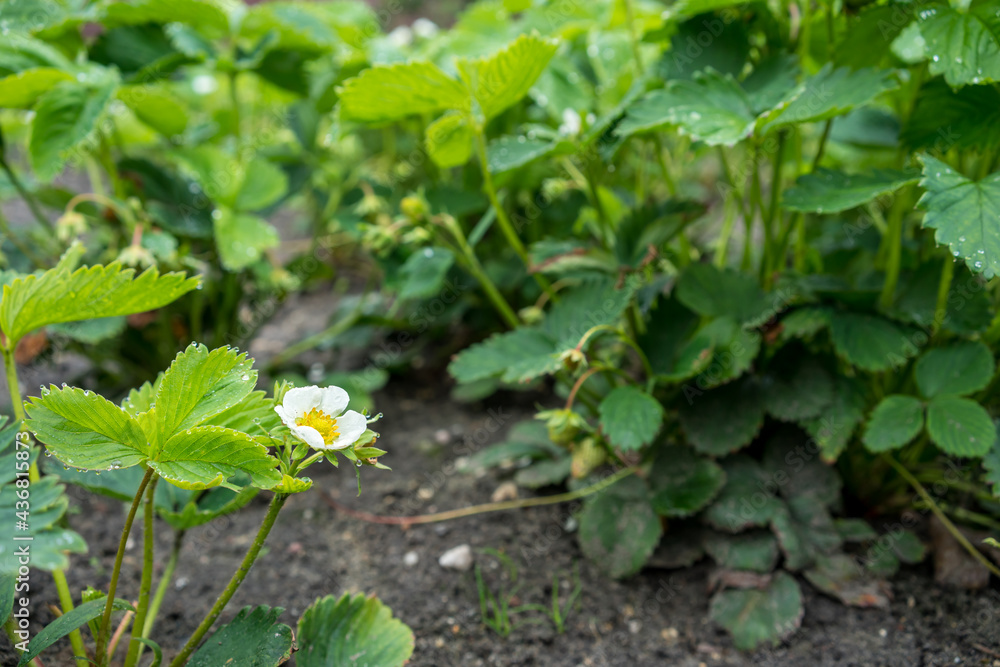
x,y
655,618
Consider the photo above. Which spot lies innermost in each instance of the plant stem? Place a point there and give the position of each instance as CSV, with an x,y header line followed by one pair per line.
x,y
161,588
505,224
894,237
58,576
944,287
822,144
101,657
472,265
481,509
28,198
942,517
771,252
235,101
141,610
722,245
220,604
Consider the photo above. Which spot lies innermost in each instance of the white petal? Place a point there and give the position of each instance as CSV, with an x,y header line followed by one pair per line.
x,y
333,400
301,400
286,418
350,426
310,436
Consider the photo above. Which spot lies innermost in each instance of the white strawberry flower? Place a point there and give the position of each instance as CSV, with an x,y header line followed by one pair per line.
x,y
317,417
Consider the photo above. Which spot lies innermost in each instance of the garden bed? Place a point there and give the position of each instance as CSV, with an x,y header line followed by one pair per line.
x,y
316,551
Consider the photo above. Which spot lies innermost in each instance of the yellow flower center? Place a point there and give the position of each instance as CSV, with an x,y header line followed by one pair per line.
x,y
322,422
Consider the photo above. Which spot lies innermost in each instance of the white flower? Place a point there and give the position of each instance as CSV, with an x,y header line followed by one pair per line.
x,y
316,416
425,28
401,36
571,122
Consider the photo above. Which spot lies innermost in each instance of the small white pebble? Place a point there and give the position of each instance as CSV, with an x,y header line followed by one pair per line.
x,y
459,558
308,514
442,436
883,632
180,583
411,558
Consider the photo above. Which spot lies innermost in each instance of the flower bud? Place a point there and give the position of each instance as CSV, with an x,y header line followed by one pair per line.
x,y
588,455
70,225
136,255
573,360
563,425
531,314
414,207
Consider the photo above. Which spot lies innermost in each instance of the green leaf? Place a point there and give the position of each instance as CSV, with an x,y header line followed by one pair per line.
x,y
387,93
509,153
352,631
829,191
199,384
449,140
806,476
669,327
544,473
746,500
759,616
515,356
206,456
960,426
20,90
801,389
839,576
714,292
958,368
652,225
805,531
682,482
242,238
712,108
963,45
172,200
991,463
66,624
65,116
501,80
619,529
755,551
630,418
424,272
832,429
91,332
85,430
8,582
855,530
969,309
943,118
62,295
48,540
829,93
264,183
723,420
894,422
962,212
202,13
870,342
155,107
253,639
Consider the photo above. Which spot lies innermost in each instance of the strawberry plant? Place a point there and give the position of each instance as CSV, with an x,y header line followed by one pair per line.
x,y
748,250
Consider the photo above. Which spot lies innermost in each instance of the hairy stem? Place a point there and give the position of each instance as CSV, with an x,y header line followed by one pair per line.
x,y
141,610
101,657
220,604
161,588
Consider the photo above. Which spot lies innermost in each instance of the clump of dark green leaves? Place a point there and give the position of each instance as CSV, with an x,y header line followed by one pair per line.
x,y
754,250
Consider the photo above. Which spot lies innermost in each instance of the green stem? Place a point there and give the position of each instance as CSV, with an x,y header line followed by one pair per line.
x,y
101,658
822,144
728,222
894,237
28,198
800,243
944,287
772,211
942,517
756,205
220,604
505,225
467,257
235,101
161,588
142,609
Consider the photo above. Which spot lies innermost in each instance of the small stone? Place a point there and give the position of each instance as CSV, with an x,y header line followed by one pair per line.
x,y
506,491
670,635
442,436
442,529
425,493
911,602
882,632
459,558
571,524
411,558
634,626
180,583
294,549
308,514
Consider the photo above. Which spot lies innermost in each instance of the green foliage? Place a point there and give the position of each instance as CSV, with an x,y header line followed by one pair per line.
x,y
760,616
253,638
630,418
619,529
65,624
352,630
